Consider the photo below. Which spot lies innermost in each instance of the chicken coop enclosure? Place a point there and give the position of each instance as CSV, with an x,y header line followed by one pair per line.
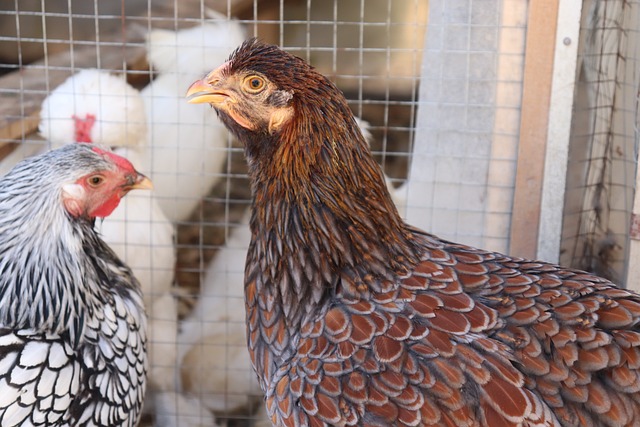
x,y
504,124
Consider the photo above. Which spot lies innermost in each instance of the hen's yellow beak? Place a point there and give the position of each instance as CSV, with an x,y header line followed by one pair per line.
x,y
141,182
201,91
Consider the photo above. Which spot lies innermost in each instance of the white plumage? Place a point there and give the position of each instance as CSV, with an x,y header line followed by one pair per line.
x,y
115,109
212,345
399,194
189,145
174,409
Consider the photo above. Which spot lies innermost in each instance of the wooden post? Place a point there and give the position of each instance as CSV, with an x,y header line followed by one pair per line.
x,y
559,130
538,71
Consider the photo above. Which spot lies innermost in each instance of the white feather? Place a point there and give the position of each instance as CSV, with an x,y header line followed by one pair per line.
x,y
7,362
6,398
116,106
20,375
15,414
38,417
46,403
104,415
34,353
213,352
62,403
188,143
173,410
163,330
64,381
10,340
28,394
57,356
46,383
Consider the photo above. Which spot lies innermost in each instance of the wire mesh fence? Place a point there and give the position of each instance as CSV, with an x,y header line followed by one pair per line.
x,y
603,156
186,242
444,126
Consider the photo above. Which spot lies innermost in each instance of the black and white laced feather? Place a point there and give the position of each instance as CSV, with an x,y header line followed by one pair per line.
x,y
72,322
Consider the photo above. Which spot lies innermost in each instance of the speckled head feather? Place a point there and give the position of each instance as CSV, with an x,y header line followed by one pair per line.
x,y
296,83
62,164
42,174
257,56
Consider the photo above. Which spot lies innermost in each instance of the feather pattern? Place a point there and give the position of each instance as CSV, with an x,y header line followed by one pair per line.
x,y
72,323
355,318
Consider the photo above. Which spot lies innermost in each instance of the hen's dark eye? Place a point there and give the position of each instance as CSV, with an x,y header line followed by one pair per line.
x,y
254,84
95,180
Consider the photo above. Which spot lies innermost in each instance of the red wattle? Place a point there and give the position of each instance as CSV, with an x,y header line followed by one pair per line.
x,y
106,208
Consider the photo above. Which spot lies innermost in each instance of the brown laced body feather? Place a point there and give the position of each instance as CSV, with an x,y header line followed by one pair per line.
x,y
357,319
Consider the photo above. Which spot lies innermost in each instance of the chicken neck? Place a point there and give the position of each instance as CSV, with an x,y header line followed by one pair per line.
x,y
323,223
46,258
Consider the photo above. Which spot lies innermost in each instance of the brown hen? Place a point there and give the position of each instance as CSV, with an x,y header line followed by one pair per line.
x,y
355,318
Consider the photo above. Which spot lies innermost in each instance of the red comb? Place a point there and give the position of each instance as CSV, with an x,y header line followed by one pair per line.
x,y
83,127
118,160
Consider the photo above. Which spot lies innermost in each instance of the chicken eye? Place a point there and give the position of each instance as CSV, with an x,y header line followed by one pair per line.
x,y
254,84
95,180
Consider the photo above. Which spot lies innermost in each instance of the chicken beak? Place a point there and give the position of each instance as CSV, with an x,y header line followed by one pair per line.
x,y
141,182
204,91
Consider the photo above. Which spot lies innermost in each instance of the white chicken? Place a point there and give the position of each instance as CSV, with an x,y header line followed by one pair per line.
x,y
398,194
95,106
189,145
187,150
212,351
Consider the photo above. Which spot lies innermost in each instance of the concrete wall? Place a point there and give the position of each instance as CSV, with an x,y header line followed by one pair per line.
x,y
462,174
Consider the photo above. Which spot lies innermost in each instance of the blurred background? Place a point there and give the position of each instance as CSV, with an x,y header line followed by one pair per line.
x,y
504,124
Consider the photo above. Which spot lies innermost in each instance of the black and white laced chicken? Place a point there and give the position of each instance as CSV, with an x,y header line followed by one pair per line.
x,y
72,322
